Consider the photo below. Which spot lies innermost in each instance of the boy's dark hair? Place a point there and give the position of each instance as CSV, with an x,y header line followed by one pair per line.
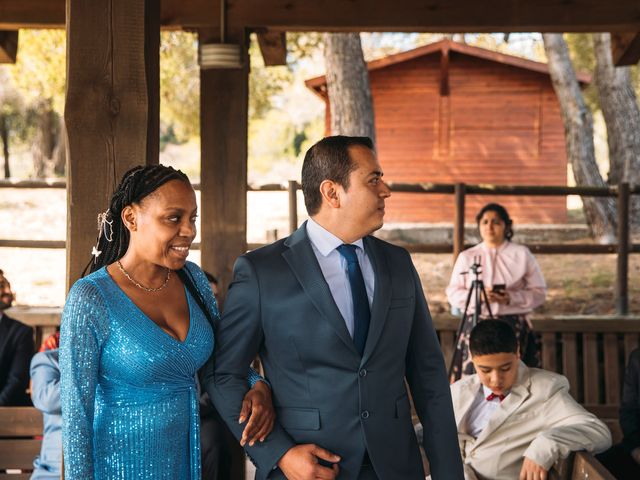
x,y
492,336
328,159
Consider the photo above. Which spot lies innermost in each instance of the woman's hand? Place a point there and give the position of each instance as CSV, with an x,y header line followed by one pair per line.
x,y
502,297
257,407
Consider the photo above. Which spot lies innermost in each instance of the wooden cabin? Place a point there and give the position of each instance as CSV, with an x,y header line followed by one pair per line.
x,y
449,112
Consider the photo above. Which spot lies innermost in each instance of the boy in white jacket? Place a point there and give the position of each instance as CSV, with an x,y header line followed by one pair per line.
x,y
514,422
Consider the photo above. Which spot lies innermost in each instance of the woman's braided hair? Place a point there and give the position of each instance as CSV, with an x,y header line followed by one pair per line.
x,y
136,184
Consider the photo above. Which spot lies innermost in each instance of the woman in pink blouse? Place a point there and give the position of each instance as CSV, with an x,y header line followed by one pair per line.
x,y
520,286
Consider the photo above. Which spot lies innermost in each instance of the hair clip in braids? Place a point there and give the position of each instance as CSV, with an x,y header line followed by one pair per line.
x,y
103,222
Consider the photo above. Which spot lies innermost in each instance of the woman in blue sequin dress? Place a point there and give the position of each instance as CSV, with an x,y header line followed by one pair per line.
x,y
133,336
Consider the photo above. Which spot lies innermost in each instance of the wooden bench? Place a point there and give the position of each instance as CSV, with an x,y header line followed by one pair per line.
x,y
590,351
19,427
579,466
43,320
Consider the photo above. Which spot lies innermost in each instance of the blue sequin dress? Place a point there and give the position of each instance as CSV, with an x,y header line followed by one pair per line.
x,y
129,399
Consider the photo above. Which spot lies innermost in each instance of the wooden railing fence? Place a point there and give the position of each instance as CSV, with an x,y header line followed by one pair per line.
x,y
621,192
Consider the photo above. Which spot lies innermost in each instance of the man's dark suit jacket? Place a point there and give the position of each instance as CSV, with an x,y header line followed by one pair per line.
x,y
16,350
280,307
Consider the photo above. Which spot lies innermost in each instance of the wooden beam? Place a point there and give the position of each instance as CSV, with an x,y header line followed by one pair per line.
x,y
273,46
105,112
8,46
368,15
625,48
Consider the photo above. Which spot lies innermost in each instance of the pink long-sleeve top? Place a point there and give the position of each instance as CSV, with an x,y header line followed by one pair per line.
x,y
510,264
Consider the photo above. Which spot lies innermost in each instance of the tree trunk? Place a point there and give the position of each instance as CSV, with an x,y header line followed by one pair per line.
x,y
45,139
348,86
622,117
4,134
578,131
60,150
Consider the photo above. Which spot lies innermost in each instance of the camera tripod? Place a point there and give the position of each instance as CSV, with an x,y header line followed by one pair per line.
x,y
480,299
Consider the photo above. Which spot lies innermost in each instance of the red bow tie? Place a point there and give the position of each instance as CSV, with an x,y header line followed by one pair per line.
x,y
493,395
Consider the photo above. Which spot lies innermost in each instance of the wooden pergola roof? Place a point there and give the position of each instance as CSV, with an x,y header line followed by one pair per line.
x,y
366,15
270,18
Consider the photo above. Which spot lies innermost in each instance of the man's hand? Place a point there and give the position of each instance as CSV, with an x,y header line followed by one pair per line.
x,y
258,408
635,454
532,471
301,463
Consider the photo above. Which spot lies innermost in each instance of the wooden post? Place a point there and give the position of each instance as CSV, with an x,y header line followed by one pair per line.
x,y
106,111
293,206
622,271
224,97
152,69
458,226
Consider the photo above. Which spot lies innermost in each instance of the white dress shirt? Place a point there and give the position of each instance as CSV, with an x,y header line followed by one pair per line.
x,y
334,269
480,411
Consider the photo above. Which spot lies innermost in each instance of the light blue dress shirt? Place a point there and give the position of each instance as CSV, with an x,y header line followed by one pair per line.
x,y
334,269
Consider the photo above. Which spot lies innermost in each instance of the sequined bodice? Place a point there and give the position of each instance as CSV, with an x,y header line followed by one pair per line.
x,y
128,388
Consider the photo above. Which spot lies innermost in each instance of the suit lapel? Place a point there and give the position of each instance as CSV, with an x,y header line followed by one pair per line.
x,y
381,295
462,403
305,267
519,393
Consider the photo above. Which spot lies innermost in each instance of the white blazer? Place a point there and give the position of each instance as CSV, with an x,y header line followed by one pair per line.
x,y
538,419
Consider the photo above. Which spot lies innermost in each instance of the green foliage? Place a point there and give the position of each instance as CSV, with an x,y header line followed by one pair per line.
x,y
179,86
302,45
18,118
40,70
264,82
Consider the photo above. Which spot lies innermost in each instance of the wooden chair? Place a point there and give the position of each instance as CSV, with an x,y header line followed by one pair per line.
x,y
18,446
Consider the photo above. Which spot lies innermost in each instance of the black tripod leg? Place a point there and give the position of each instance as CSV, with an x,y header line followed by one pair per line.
x,y
461,329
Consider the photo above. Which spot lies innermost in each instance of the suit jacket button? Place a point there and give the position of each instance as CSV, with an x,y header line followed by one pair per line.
x,y
364,414
363,372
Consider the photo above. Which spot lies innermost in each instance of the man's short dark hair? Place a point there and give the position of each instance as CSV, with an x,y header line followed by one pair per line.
x,y
328,159
492,336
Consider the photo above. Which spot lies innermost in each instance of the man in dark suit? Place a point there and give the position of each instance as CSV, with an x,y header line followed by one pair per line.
x,y
340,321
16,350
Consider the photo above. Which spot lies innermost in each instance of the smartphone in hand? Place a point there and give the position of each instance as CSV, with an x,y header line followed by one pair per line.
x,y
498,288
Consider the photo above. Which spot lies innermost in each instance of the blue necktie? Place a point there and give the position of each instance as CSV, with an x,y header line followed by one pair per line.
x,y
361,312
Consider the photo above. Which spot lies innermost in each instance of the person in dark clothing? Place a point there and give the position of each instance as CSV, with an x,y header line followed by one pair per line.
x,y
623,459
215,437
16,350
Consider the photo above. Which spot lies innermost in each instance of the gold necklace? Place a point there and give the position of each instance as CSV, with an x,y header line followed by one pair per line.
x,y
142,287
